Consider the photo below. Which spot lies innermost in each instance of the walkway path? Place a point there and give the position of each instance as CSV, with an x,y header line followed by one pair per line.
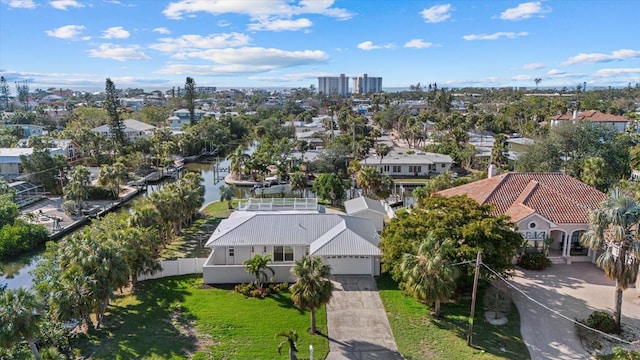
x,y
357,322
574,291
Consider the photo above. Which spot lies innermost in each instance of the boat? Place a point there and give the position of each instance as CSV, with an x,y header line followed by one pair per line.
x,y
271,186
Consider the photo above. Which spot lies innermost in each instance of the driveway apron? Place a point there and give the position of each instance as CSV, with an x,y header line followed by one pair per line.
x,y
357,323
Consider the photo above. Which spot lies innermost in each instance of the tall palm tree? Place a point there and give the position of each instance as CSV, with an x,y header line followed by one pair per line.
x,y
258,266
291,338
237,159
77,187
313,287
382,150
428,274
298,182
226,194
614,229
19,319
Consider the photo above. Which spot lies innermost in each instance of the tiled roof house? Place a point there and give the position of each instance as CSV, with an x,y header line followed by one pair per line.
x,y
619,122
543,205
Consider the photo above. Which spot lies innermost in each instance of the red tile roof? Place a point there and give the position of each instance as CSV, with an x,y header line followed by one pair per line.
x,y
555,196
591,115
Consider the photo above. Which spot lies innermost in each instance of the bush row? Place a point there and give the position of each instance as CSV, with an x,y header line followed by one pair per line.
x,y
21,237
250,290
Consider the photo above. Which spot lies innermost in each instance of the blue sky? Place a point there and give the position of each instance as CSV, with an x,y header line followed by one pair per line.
x,y
156,44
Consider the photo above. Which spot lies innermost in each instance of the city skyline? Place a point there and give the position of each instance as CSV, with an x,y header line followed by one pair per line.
x,y
290,43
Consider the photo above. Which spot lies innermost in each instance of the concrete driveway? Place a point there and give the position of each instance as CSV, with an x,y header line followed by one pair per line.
x,y
574,291
357,322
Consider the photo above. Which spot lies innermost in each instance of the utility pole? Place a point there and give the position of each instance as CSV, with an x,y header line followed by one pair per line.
x,y
473,298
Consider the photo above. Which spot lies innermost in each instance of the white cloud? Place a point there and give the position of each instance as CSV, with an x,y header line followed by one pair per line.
x,y
66,32
223,23
116,32
20,4
436,13
369,45
281,25
622,54
617,72
417,44
256,10
65,4
258,57
162,30
525,11
194,42
533,66
522,77
554,72
494,36
119,53
290,77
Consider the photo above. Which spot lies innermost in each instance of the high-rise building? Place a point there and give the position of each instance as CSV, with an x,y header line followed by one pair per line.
x,y
333,85
367,85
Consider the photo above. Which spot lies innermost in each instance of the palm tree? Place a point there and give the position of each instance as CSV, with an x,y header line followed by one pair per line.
x,y
313,287
77,188
19,319
382,150
368,179
258,267
537,81
237,159
298,182
614,229
226,194
290,337
427,274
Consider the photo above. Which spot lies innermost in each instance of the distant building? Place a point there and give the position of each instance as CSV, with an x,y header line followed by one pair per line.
x,y
207,90
367,85
333,85
620,123
419,164
182,117
133,129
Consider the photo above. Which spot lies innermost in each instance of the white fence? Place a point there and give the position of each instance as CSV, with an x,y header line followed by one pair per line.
x,y
177,267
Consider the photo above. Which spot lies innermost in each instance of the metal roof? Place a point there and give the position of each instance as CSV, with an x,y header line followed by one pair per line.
x,y
326,234
363,203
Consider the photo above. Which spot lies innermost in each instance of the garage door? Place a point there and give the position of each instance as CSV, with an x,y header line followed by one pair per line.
x,y
349,265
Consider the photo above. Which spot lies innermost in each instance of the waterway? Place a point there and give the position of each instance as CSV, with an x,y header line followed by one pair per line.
x,y
16,273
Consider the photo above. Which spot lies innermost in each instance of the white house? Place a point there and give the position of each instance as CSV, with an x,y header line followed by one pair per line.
x,y
347,243
11,164
182,117
368,208
419,164
133,129
620,123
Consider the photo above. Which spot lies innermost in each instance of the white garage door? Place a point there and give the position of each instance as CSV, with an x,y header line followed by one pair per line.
x,y
349,265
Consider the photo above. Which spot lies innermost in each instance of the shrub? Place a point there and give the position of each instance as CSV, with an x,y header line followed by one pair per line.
x,y
21,237
250,290
284,287
99,193
69,207
534,261
602,321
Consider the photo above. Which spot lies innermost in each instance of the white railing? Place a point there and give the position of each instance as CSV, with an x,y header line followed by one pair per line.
x,y
268,204
177,267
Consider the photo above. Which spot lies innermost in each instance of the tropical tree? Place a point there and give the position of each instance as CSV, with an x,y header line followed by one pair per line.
x,y
298,182
226,194
78,186
237,159
329,187
116,124
613,229
19,319
291,338
258,266
428,275
313,287
112,176
499,151
382,150
190,97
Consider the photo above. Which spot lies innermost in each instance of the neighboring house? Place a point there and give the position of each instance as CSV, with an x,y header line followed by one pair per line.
x,y
367,208
30,129
181,117
133,129
71,149
620,123
347,243
544,206
419,164
11,164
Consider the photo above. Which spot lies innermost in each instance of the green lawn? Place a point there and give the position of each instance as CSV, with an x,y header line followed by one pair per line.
x,y
177,318
419,336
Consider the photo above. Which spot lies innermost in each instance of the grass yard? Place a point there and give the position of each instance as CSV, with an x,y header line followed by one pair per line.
x,y
419,336
176,318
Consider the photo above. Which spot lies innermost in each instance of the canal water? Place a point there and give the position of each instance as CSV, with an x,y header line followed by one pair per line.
x,y
16,273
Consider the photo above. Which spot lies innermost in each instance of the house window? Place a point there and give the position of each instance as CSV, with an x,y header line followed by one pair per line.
x,y
396,168
415,169
443,165
231,251
385,168
532,225
282,253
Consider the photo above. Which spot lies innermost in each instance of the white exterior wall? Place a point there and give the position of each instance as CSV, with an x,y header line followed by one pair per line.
x,y
436,169
9,168
236,274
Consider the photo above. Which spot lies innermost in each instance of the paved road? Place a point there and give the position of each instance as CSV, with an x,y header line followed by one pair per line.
x,y
357,323
574,291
